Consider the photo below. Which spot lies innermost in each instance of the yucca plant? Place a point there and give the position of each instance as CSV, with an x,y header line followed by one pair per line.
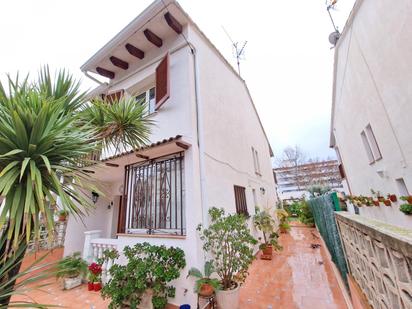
x,y
47,131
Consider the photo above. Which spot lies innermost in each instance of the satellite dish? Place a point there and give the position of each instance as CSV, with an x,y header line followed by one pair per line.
x,y
334,37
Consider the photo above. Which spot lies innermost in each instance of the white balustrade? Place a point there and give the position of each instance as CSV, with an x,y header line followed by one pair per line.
x,y
97,248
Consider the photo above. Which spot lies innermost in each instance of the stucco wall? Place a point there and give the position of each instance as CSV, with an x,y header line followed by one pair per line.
x,y
372,86
231,128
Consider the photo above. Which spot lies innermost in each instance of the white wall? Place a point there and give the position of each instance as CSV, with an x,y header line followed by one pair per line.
x,y
372,85
231,129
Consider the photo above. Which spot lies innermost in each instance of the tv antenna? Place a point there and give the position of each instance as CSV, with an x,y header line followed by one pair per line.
x,y
334,36
238,49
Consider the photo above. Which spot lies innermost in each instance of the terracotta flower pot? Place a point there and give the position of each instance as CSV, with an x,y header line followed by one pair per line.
x,y
409,199
376,202
267,252
90,286
62,218
97,286
387,202
393,198
206,290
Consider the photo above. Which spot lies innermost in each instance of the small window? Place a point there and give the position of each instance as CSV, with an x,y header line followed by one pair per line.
x,y
367,147
240,199
256,162
373,143
147,97
402,188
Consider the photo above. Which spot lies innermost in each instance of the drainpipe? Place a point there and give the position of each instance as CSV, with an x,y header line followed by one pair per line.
x,y
200,141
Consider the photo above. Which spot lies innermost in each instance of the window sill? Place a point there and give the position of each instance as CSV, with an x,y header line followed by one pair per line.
x,y
165,236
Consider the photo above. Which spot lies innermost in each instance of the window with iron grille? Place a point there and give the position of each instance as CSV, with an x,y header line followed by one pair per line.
x,y
240,200
155,196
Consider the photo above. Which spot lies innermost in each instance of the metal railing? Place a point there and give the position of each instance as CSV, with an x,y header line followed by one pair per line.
x,y
155,196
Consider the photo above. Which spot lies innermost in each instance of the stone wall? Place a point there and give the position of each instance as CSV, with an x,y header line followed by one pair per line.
x,y
379,258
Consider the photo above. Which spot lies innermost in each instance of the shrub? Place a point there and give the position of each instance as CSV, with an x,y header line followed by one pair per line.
x,y
264,222
71,266
406,209
148,267
306,215
230,243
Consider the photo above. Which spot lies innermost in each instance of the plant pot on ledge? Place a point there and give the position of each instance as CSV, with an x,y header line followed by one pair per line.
x,y
387,202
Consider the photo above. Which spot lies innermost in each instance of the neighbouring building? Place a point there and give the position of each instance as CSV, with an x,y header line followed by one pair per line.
x,y
209,147
372,101
293,182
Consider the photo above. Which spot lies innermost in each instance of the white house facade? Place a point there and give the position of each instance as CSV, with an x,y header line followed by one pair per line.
x,y
372,93
209,147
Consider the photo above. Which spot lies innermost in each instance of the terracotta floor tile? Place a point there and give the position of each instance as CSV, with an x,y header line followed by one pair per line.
x,y
293,279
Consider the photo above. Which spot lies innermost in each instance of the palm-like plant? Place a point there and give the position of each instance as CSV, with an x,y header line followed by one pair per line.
x,y
47,131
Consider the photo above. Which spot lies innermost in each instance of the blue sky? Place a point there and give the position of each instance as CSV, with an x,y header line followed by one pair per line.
x,y
288,61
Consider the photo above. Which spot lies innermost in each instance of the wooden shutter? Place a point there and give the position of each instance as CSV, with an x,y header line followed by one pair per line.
x,y
162,82
113,97
121,219
240,200
342,171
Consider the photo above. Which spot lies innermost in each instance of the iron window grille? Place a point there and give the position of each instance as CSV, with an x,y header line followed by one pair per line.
x,y
154,194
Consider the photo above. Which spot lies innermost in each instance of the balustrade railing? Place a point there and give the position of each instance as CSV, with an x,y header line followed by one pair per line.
x,y
94,248
379,258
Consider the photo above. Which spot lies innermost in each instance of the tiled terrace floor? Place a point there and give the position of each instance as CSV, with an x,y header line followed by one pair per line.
x,y
299,277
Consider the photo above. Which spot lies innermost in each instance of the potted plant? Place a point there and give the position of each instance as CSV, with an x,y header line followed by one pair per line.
x,y
63,215
283,216
407,199
264,222
143,281
205,286
387,202
229,242
71,270
392,198
406,209
95,277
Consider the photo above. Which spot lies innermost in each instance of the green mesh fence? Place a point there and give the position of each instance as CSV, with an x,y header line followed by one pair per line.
x,y
323,209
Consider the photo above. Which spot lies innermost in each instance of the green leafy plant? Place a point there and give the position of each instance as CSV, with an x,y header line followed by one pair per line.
x,y
148,267
230,244
265,223
306,215
71,266
283,220
47,132
406,209
203,279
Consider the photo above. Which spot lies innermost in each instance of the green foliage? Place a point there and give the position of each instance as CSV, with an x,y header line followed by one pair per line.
x,y
264,222
306,215
204,278
406,209
318,190
71,266
148,267
293,209
47,130
230,244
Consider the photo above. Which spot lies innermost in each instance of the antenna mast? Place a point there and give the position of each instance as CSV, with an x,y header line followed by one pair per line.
x,y
238,49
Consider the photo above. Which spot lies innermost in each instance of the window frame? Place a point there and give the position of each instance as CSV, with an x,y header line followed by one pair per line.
x,y
240,200
367,147
373,143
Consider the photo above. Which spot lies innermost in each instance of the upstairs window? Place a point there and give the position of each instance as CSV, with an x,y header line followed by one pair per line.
x,y
256,162
374,144
371,145
240,200
147,97
367,147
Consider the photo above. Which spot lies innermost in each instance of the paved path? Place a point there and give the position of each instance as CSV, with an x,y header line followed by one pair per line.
x,y
298,277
